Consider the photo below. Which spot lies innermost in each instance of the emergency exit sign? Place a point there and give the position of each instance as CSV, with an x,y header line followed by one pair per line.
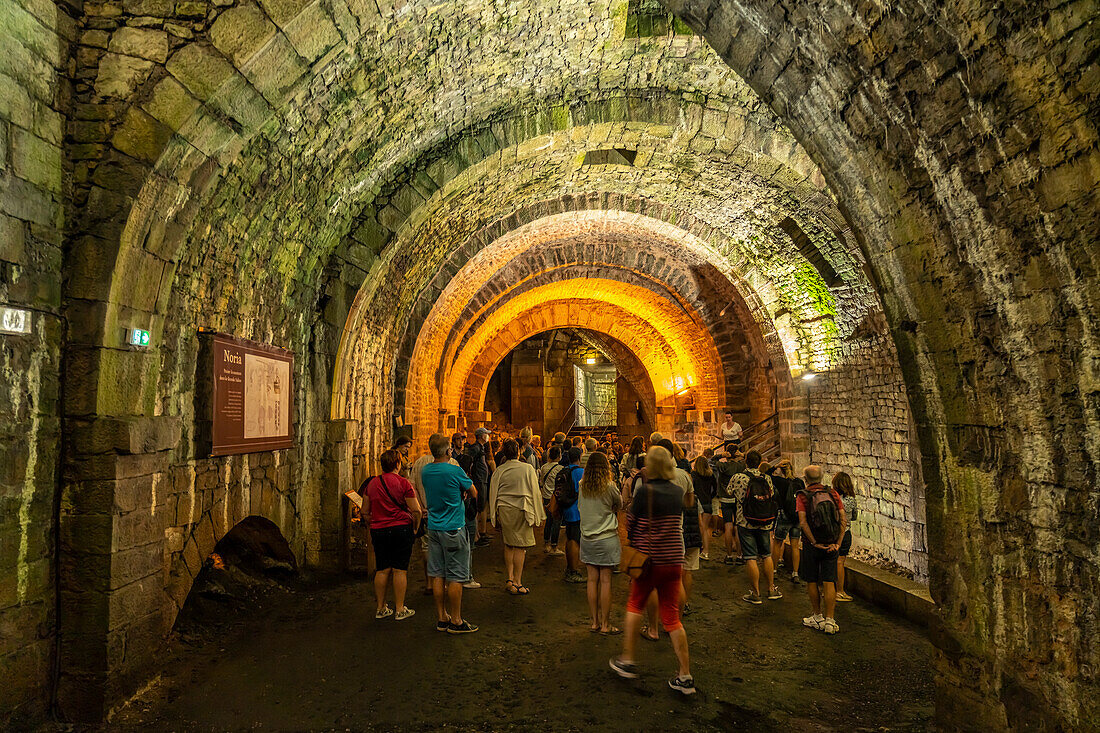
x,y
14,320
139,337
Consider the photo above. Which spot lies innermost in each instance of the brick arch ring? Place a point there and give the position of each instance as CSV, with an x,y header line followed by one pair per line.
x,y
679,355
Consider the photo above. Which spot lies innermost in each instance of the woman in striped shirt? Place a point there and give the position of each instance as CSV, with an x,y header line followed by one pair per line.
x,y
654,527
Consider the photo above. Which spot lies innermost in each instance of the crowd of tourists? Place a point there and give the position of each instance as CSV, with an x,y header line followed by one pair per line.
x,y
643,509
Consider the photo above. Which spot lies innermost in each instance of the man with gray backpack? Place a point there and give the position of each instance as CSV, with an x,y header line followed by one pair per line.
x,y
823,521
756,509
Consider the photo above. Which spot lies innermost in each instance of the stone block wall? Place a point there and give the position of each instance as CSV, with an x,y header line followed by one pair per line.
x,y
860,424
34,50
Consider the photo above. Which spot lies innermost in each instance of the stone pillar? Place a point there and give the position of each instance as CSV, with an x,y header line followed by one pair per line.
x,y
114,611
337,476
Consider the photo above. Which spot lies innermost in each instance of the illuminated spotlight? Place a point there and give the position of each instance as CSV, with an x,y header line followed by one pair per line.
x,y
590,360
809,376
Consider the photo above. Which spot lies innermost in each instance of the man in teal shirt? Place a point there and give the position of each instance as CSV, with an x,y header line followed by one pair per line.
x,y
445,486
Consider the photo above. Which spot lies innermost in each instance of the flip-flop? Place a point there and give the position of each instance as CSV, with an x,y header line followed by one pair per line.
x,y
594,629
647,637
523,590
613,631
512,588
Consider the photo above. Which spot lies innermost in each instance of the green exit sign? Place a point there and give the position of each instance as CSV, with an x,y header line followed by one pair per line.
x,y
139,337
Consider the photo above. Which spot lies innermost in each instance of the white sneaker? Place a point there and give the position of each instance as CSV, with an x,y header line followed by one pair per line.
x,y
830,626
403,614
816,622
384,613
471,585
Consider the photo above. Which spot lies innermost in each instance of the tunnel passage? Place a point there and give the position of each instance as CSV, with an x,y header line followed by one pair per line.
x,y
901,196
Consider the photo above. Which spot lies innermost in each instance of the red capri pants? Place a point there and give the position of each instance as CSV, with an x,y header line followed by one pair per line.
x,y
666,579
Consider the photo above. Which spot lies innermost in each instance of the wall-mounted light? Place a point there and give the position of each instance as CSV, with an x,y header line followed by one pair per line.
x,y
809,376
15,320
590,360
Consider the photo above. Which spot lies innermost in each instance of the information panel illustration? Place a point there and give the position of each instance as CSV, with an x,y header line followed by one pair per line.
x,y
252,397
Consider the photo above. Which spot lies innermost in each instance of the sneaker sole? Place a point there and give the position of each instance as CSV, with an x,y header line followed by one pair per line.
x,y
681,690
456,632
622,673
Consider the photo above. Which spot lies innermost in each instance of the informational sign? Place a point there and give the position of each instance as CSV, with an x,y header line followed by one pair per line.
x,y
252,395
14,320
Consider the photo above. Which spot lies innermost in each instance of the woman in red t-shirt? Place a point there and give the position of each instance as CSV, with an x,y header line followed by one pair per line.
x,y
393,514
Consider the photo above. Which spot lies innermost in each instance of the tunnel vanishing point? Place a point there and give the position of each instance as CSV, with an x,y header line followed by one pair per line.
x,y
380,201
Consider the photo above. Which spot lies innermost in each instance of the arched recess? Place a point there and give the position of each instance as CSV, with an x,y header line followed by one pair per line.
x,y
627,362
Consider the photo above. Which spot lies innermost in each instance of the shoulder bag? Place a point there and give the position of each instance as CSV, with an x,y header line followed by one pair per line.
x,y
633,561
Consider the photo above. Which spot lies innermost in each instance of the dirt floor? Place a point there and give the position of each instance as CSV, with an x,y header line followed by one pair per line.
x,y
314,658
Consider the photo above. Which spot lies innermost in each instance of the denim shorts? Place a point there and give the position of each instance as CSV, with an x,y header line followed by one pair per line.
x,y
449,554
755,543
785,529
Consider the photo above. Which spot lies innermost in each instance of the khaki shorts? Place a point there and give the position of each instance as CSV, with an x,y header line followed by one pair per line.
x,y
691,558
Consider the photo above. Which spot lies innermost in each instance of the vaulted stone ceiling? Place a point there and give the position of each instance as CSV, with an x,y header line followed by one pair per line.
x,y
313,174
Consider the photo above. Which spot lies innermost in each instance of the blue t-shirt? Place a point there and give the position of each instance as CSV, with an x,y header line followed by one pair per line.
x,y
573,513
443,487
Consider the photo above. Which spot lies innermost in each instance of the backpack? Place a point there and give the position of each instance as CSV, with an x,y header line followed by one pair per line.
x,y
564,492
823,515
760,507
465,462
725,488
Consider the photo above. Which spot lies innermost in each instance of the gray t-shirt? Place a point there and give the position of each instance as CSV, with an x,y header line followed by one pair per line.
x,y
598,514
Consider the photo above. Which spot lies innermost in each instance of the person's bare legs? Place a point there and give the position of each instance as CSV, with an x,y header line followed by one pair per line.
x,y
728,536
508,564
440,599
427,580
796,555
454,597
605,599
630,636
593,596
769,572
400,584
815,598
573,555
830,600
381,580
754,574
518,557
680,647
840,574
686,582
704,528
777,551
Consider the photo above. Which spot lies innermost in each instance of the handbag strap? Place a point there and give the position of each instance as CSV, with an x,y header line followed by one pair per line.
x,y
396,504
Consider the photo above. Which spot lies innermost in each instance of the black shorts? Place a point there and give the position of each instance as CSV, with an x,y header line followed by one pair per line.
x,y
573,531
846,544
392,547
817,565
728,510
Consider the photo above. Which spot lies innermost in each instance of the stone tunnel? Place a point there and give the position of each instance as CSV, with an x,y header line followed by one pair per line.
x,y
873,224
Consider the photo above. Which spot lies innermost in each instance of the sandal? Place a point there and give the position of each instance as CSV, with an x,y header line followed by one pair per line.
x,y
512,588
594,629
613,631
523,590
647,637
